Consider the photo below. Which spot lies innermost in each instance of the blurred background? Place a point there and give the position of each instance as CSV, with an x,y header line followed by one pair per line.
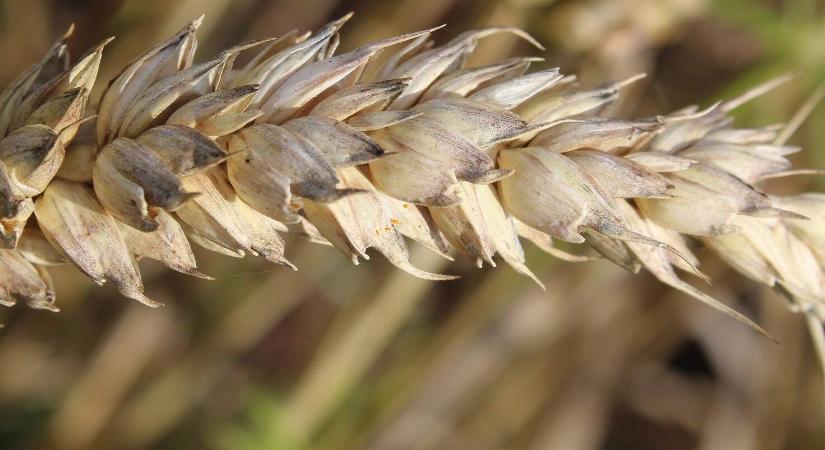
x,y
342,357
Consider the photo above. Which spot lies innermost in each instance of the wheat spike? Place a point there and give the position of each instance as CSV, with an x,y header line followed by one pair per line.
x,y
362,153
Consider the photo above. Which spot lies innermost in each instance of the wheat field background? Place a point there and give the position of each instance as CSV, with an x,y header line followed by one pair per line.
x,y
336,356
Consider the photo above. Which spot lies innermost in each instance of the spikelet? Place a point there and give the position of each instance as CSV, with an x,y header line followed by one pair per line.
x,y
40,113
358,152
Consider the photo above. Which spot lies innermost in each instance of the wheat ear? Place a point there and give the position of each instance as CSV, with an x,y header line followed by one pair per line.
x,y
360,152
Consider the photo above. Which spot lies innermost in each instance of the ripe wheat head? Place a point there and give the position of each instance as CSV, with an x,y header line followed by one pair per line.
x,y
359,152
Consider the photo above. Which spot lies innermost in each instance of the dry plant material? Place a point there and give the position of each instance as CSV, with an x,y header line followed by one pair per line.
x,y
362,153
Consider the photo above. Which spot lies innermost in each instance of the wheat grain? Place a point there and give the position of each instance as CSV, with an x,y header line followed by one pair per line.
x,y
361,153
